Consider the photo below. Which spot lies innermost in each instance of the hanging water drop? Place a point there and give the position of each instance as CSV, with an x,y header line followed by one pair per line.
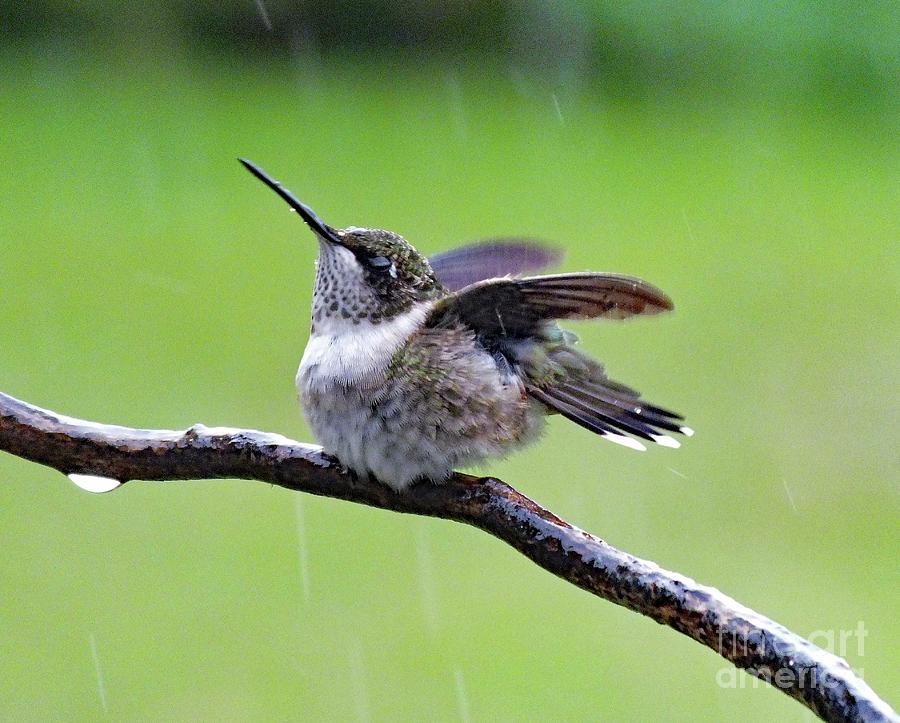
x,y
93,483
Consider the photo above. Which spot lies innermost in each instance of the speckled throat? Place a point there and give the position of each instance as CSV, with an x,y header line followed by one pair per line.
x,y
340,291
347,289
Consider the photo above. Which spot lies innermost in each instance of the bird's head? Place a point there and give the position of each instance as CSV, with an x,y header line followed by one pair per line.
x,y
362,274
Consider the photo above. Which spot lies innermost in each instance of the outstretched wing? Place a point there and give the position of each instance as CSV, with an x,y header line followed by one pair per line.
x,y
489,259
515,318
517,307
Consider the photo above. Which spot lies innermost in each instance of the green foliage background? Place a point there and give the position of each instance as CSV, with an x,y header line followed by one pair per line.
x,y
745,162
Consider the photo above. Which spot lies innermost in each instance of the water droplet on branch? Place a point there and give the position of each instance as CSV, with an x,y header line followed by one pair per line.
x,y
93,483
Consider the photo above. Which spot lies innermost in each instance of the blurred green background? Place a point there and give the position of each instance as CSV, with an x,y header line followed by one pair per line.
x,y
742,157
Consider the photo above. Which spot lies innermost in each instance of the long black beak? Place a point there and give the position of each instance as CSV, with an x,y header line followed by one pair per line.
x,y
306,213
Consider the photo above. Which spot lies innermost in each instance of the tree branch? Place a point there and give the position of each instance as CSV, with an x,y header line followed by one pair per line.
x,y
821,681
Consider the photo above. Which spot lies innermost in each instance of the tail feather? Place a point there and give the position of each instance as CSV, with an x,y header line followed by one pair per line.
x,y
576,386
588,421
633,407
589,404
604,411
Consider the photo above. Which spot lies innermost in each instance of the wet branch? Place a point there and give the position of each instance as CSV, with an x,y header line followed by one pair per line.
x,y
821,681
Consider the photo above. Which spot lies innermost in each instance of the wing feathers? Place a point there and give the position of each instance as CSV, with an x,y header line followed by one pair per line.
x,y
494,258
589,295
514,317
518,307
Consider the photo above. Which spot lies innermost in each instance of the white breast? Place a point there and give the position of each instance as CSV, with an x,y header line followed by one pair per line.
x,y
341,352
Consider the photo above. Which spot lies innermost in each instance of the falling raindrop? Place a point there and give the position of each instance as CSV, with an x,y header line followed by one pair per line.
x,y
264,15
426,576
358,681
457,103
462,700
789,495
302,554
556,107
93,483
101,689
688,224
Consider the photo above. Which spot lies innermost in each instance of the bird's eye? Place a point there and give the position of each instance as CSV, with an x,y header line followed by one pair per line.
x,y
379,263
382,264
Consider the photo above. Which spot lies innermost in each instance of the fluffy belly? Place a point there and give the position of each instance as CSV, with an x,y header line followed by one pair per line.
x,y
399,440
400,433
405,403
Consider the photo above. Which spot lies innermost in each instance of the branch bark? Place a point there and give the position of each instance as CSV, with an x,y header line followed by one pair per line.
x,y
821,681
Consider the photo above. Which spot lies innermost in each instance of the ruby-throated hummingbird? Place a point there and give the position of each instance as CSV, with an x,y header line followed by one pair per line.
x,y
416,366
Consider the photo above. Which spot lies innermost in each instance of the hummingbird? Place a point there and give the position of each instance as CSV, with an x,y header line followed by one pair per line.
x,y
416,366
